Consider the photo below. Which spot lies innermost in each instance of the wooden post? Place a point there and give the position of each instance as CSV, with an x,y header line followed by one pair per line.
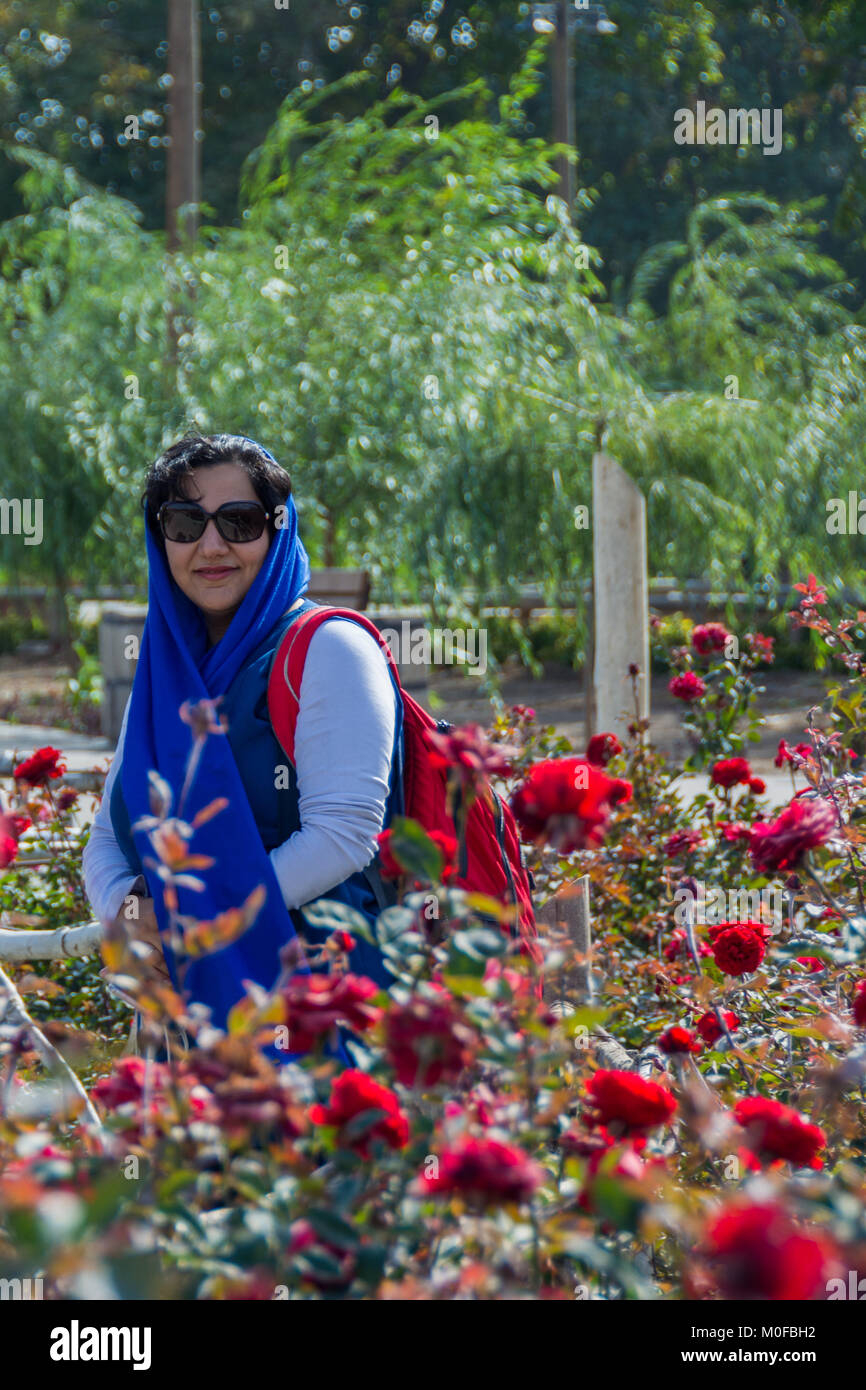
x,y
183,168
563,101
620,598
183,171
120,629
569,909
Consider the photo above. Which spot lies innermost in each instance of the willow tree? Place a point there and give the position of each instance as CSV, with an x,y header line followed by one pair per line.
x,y
379,318
79,301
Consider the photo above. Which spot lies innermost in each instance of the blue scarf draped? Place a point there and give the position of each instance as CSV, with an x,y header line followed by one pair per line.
x,y
176,665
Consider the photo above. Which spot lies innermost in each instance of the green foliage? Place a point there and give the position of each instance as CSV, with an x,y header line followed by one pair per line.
x,y
86,689
419,332
15,629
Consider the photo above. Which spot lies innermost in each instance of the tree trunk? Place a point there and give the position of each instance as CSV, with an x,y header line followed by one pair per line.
x,y
183,164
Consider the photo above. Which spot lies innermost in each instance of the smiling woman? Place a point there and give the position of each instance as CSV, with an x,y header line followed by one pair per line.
x,y
215,565
228,577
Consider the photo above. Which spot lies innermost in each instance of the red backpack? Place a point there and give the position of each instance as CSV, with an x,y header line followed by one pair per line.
x,y
493,861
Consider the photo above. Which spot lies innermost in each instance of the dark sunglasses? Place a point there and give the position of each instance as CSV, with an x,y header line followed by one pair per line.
x,y
237,522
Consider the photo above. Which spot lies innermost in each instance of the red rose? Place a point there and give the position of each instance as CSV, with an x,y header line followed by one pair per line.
x,y
13,824
709,637
781,844
303,1240
757,786
252,1103
681,842
756,1252
241,1103
728,772
390,866
738,948
427,1041
678,946
687,686
448,847
41,766
601,748
50,1169
524,712
761,929
677,1039
812,963
66,798
711,1030
8,850
775,1131
760,647
606,1158
342,941
486,1169
626,1097
126,1082
519,985
619,791
354,1093
734,829
859,1004
567,802
799,754
124,1089
315,1004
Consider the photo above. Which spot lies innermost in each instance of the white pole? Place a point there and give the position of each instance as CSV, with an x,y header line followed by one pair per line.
x,y
620,598
80,940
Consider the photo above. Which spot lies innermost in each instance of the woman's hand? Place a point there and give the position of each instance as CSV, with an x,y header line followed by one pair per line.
x,y
149,969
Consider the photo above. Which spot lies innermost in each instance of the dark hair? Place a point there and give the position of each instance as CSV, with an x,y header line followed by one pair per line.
x,y
166,478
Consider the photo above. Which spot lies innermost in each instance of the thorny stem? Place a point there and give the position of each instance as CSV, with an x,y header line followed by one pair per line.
x,y
823,889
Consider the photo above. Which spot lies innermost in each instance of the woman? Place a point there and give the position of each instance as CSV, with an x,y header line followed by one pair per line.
x,y
228,575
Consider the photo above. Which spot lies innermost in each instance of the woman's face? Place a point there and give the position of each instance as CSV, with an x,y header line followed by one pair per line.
x,y
212,572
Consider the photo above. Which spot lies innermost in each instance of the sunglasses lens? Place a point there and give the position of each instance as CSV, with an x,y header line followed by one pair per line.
x,y
182,523
241,522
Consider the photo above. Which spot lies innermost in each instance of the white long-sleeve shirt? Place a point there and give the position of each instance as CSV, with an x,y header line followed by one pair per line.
x,y
343,744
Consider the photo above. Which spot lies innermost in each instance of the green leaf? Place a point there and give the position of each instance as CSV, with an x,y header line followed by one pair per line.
x,y
328,914
413,849
480,943
393,923
333,1229
183,1177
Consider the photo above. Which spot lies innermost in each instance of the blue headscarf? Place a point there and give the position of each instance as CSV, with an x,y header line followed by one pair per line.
x,y
176,665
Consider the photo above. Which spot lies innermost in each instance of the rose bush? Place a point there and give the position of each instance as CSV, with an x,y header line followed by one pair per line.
x,y
482,1142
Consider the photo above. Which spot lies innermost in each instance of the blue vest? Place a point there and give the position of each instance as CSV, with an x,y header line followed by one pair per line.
x,y
258,754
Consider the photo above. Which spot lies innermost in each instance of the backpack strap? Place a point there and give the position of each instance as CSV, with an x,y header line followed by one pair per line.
x,y
287,669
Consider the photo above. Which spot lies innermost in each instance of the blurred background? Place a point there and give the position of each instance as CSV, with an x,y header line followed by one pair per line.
x,y
345,229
